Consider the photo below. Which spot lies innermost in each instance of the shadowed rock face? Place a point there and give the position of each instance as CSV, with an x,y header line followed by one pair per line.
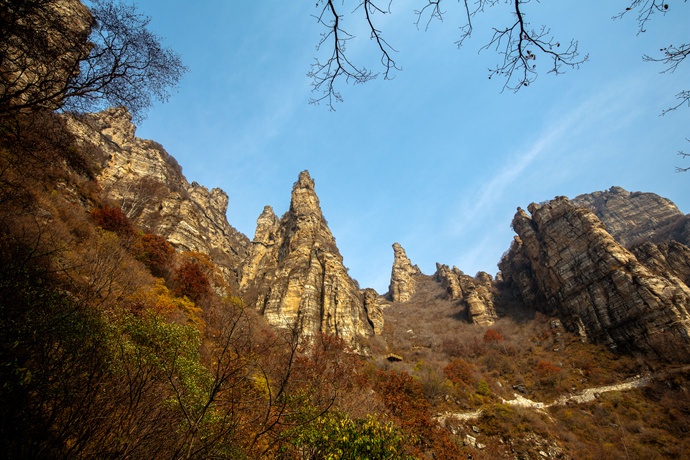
x,y
148,184
667,259
475,293
41,45
295,274
564,261
403,284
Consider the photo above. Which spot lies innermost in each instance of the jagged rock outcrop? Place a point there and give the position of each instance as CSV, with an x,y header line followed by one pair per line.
x,y
637,217
374,309
149,186
475,293
566,261
296,278
403,284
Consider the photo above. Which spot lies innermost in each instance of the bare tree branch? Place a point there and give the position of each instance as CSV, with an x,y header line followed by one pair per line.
x,y
325,73
645,10
684,156
671,57
517,44
105,56
520,47
432,11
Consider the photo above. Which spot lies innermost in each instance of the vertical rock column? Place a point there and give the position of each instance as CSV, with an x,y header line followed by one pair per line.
x,y
403,284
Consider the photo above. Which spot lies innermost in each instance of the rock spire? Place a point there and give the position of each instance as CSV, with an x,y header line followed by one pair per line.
x,y
295,274
403,283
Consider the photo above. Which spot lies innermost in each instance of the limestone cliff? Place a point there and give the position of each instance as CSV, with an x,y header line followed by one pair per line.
x,y
669,259
149,186
296,278
402,286
652,227
476,294
564,261
637,217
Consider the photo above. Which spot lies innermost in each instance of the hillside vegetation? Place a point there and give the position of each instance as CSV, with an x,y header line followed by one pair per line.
x,y
114,345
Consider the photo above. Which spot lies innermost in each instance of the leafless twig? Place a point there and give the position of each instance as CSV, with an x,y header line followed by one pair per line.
x,y
520,46
324,74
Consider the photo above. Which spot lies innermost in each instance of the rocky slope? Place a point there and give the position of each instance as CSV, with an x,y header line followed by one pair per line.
x,y
41,44
148,184
564,262
295,275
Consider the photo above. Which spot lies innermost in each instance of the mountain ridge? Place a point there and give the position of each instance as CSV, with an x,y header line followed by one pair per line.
x,y
293,274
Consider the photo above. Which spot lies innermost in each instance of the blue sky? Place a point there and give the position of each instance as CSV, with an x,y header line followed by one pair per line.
x,y
437,159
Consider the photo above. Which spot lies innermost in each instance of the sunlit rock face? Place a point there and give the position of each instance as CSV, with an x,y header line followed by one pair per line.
x,y
476,294
637,217
148,184
564,261
403,284
296,278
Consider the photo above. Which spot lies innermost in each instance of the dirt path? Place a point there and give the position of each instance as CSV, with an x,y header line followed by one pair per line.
x,y
587,395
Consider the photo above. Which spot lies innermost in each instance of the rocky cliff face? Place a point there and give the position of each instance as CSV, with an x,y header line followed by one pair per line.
x,y
149,186
476,294
41,44
403,283
296,278
636,218
667,259
564,261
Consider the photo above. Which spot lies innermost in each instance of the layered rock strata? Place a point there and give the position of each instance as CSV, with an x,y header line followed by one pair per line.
x,y
476,294
668,259
636,217
296,278
403,284
564,260
148,184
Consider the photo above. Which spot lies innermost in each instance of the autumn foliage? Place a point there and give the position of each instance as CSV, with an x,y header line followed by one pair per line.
x,y
190,280
547,372
492,336
112,218
459,372
155,252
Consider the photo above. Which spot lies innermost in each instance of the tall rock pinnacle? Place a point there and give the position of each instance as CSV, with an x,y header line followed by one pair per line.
x,y
295,274
403,284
